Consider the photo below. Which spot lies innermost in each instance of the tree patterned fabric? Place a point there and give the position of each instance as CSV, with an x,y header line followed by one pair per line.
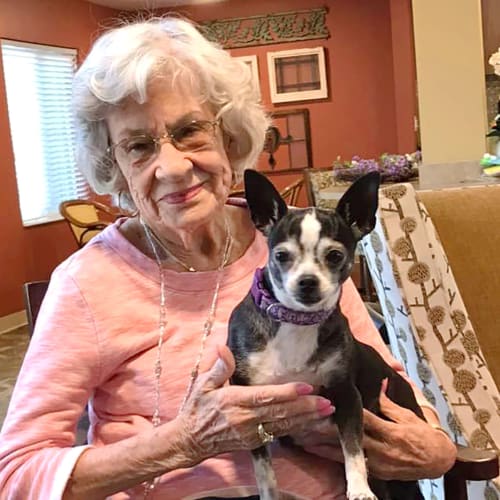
x,y
429,329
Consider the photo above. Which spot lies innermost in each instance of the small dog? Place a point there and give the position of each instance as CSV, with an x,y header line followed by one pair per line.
x,y
290,328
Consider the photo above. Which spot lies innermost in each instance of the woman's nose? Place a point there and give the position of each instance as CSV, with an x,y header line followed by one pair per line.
x,y
170,161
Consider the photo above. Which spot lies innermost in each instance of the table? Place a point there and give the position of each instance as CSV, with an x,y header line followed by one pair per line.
x,y
336,192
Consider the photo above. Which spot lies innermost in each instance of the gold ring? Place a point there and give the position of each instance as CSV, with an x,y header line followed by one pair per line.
x,y
265,437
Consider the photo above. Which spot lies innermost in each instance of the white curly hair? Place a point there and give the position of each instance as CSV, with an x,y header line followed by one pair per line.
x,y
124,61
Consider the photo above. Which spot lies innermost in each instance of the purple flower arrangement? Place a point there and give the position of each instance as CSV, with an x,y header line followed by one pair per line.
x,y
392,168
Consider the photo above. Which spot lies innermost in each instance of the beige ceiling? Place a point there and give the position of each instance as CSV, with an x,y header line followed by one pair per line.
x,y
149,4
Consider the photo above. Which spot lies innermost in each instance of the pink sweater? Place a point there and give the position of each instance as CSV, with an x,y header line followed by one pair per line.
x,y
96,338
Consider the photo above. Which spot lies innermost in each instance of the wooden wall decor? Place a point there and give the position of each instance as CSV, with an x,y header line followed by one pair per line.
x,y
268,29
289,142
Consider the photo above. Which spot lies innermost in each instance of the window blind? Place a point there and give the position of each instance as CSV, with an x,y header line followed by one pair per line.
x,y
38,82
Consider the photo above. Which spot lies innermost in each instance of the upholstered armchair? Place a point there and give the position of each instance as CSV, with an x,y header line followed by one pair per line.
x,y
440,296
315,180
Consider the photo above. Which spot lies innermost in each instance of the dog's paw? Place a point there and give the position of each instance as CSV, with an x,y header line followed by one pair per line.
x,y
361,495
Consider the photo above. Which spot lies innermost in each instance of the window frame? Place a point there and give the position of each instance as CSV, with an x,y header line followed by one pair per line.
x,y
304,95
51,215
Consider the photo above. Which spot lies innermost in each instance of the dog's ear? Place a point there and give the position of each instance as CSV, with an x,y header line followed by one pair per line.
x,y
265,203
358,205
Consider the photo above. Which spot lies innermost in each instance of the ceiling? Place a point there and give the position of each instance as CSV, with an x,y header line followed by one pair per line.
x,y
149,4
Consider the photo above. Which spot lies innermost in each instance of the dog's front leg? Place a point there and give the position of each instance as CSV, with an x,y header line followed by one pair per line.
x,y
349,419
264,474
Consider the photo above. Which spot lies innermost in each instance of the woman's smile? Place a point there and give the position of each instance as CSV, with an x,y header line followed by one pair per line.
x,y
184,195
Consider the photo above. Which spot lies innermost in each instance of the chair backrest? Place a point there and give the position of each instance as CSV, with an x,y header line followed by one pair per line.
x,y
84,218
33,292
428,323
291,193
237,193
468,224
315,180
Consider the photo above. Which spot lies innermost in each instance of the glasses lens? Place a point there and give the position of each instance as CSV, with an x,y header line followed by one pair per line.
x,y
138,149
193,136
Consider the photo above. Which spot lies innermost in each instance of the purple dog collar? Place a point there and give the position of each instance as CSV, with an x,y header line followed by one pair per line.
x,y
265,301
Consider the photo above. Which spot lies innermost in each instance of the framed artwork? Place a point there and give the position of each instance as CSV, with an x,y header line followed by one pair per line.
x,y
297,75
251,61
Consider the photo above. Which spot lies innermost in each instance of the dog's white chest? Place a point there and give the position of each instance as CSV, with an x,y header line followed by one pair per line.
x,y
286,358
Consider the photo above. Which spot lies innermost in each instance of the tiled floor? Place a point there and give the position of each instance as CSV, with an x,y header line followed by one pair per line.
x,y
12,348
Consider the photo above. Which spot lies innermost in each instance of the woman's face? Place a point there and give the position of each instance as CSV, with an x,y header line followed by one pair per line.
x,y
175,187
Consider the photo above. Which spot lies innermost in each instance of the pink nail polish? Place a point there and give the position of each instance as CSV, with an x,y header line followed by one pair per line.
x,y
324,412
304,389
323,403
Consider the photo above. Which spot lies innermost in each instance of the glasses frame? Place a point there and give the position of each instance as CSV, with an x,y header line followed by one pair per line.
x,y
158,141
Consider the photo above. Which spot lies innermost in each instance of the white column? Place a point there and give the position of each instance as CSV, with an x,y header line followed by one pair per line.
x,y
450,80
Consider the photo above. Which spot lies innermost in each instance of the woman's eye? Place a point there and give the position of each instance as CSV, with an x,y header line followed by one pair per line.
x,y
187,131
282,256
334,257
140,146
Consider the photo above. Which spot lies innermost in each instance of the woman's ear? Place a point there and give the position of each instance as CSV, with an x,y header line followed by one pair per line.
x,y
228,142
232,147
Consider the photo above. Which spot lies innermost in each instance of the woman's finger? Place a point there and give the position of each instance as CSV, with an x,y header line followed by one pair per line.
x,y
302,406
374,424
219,373
290,425
260,395
395,412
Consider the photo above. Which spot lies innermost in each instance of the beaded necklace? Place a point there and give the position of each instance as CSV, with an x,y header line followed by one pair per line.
x,y
162,324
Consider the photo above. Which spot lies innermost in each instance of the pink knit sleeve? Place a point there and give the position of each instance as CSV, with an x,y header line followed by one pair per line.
x,y
59,371
365,331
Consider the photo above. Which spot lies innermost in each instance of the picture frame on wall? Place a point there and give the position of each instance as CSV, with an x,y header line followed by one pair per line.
x,y
297,75
251,61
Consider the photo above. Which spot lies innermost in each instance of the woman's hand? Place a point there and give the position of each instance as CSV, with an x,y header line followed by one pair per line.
x,y
405,448
218,418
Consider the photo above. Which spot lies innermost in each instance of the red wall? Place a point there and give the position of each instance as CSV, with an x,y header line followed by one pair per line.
x,y
370,108
367,39
31,253
370,72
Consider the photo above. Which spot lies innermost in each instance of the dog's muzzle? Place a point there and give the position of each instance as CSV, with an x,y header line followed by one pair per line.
x,y
307,291
265,437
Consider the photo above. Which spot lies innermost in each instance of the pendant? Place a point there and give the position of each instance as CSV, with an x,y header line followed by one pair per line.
x,y
191,269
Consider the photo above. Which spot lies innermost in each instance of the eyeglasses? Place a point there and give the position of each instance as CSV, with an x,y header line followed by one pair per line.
x,y
140,149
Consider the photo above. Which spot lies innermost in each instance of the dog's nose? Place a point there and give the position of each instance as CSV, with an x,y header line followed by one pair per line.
x,y
308,282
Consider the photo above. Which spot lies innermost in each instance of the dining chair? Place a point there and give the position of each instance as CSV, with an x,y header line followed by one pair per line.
x,y
237,193
291,192
33,294
86,218
315,180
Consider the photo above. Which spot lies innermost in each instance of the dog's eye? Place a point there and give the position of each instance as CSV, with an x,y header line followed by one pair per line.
x,y
282,256
334,257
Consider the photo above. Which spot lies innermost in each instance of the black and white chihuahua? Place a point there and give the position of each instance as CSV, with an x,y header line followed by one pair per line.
x,y
290,326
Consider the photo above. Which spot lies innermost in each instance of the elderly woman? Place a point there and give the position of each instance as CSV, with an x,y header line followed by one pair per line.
x,y
136,322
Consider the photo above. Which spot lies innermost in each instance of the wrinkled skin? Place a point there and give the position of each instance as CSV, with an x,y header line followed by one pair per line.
x,y
404,447
218,418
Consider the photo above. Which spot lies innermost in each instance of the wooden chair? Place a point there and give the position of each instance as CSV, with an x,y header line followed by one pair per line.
x,y
237,193
432,258
34,292
86,218
291,193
